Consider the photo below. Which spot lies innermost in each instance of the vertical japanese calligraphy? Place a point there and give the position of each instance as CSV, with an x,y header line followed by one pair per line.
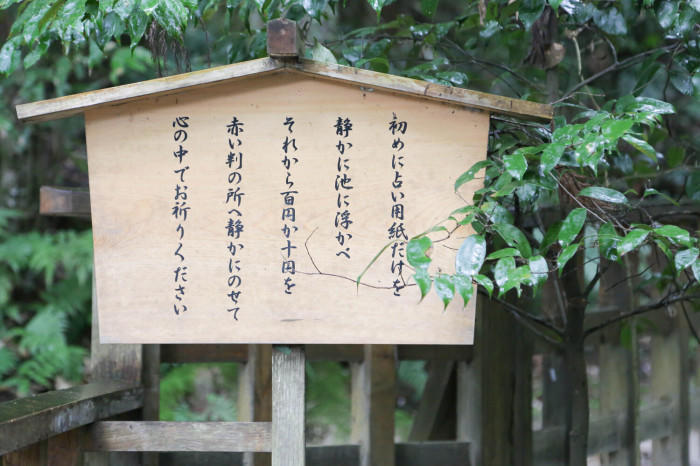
x,y
234,223
289,229
343,219
179,211
397,230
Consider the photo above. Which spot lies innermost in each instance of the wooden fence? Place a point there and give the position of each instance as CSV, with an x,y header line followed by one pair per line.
x,y
477,404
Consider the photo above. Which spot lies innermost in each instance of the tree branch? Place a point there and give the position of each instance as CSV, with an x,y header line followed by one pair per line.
x,y
666,301
615,66
528,320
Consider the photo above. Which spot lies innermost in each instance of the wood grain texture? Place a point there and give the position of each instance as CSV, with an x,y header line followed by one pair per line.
x,y
64,202
32,455
62,107
283,39
288,407
433,393
154,436
74,104
373,400
135,233
255,394
28,420
340,353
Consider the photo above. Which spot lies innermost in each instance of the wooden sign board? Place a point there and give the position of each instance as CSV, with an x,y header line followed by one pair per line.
x,y
243,212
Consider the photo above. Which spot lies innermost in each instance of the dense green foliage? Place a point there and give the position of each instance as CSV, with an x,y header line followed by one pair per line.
x,y
606,181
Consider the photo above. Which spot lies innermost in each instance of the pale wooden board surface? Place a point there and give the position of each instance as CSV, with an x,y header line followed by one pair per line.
x,y
132,188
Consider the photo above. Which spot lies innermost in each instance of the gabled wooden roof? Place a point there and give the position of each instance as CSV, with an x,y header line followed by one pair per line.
x,y
74,104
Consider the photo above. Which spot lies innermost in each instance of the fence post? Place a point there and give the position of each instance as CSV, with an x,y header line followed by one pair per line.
x,y
373,404
619,389
288,408
255,395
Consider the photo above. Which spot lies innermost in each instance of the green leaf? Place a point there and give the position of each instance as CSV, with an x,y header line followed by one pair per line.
x,y
516,278
10,56
642,146
659,107
615,128
654,192
551,156
471,255
604,194
611,21
696,270
571,226
504,267
631,241
377,6
538,270
514,237
415,252
464,287
484,281
321,53
445,289
428,7
675,234
469,174
516,165
607,241
685,258
507,252
423,280
566,254
551,236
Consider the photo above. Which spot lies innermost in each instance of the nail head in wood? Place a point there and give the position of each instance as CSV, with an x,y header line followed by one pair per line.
x,y
283,39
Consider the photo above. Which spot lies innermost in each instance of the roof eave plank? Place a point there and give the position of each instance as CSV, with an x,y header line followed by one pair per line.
x,y
74,104
62,107
457,95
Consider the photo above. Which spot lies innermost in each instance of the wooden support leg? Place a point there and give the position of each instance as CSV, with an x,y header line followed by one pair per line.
x,y
33,455
373,405
288,408
436,388
112,362
255,395
151,392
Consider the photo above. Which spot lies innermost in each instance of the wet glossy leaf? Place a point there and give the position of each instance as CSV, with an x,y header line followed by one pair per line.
x,y
464,287
471,255
551,156
10,56
566,254
696,269
631,241
514,237
469,174
504,267
674,233
428,7
423,281
507,252
685,258
538,270
516,165
642,146
604,194
654,192
321,53
607,241
571,226
611,21
616,128
415,252
484,281
551,236
445,289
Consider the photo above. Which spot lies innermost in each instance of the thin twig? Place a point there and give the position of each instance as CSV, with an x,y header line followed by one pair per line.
x,y
666,301
615,66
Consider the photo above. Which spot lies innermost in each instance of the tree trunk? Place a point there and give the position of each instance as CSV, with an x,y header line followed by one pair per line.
x,y
577,406
577,415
